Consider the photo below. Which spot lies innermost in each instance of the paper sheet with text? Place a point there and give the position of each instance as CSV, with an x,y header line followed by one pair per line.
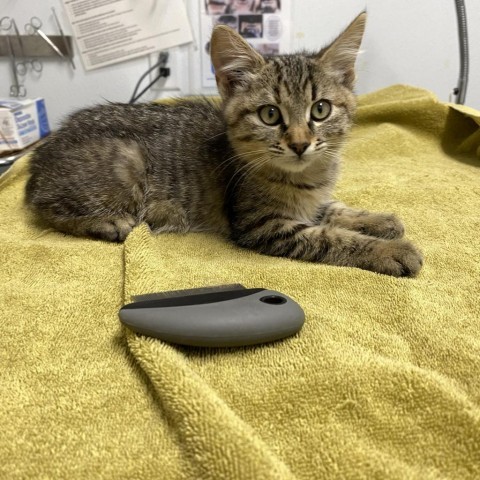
x,y
111,31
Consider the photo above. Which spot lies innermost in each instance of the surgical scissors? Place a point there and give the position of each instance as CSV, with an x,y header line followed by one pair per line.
x,y
35,26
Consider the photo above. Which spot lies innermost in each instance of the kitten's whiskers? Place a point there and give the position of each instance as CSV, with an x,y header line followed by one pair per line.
x,y
236,157
217,135
248,168
276,150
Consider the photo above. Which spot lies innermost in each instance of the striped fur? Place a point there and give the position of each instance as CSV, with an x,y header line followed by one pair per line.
x,y
197,165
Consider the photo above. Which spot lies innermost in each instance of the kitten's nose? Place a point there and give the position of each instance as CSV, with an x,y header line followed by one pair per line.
x,y
298,147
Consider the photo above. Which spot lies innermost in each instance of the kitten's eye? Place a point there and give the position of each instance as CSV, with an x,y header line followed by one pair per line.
x,y
321,110
270,115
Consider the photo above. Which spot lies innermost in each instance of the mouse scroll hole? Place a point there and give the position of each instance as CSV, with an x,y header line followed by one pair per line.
x,y
273,300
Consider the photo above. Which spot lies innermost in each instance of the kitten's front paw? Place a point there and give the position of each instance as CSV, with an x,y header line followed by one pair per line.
x,y
114,230
383,225
399,258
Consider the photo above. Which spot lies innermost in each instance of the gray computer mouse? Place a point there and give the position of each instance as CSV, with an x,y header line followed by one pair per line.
x,y
224,316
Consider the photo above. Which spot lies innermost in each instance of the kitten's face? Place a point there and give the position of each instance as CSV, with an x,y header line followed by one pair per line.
x,y
286,112
289,114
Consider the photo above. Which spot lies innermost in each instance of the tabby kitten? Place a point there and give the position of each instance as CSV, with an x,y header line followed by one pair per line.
x,y
260,167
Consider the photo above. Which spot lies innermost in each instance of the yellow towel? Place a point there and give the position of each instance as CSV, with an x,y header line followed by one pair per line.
x,y
382,381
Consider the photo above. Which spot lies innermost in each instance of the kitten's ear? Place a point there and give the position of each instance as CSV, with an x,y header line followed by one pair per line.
x,y
234,60
339,57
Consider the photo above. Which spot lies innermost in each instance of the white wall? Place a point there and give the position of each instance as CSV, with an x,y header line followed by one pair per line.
x,y
408,41
411,41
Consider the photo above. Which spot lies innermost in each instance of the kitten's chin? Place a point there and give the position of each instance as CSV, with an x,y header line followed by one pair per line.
x,y
293,164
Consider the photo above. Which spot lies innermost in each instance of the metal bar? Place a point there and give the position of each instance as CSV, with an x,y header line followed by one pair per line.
x,y
461,89
35,46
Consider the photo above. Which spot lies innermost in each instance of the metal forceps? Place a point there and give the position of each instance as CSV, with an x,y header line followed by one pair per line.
x,y
34,27
17,89
36,64
67,46
6,24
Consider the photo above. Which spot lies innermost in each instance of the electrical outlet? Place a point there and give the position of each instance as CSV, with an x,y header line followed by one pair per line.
x,y
178,81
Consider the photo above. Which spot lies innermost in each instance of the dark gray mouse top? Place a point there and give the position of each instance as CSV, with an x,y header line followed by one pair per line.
x,y
215,317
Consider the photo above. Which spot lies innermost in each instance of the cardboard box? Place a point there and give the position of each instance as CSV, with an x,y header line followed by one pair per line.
x,y
22,122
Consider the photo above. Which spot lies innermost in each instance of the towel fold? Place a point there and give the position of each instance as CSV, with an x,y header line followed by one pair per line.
x,y
381,382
